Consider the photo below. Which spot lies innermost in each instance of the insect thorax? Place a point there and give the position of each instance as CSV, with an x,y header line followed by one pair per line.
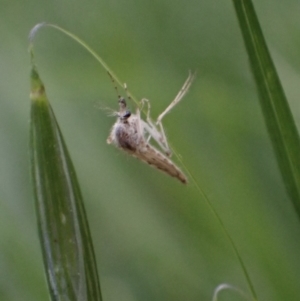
x,y
127,134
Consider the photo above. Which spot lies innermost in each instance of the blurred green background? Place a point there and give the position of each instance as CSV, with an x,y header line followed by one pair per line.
x,y
154,238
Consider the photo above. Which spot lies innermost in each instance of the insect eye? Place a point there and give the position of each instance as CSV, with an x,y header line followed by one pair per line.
x,y
126,115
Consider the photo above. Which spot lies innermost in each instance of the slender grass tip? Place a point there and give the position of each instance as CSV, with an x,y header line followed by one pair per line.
x,y
34,30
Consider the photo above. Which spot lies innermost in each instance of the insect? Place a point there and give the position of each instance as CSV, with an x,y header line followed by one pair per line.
x,y
132,134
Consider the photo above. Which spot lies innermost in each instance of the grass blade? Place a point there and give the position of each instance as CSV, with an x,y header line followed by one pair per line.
x,y
63,228
277,114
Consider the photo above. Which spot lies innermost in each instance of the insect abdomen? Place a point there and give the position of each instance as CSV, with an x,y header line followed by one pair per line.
x,y
156,159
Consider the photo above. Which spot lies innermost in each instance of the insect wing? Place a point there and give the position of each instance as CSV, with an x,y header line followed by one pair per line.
x,y
156,159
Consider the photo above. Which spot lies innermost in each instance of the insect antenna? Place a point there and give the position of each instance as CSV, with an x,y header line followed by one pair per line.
x,y
115,86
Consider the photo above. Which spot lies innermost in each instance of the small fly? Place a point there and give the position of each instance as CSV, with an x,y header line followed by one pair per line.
x,y
132,134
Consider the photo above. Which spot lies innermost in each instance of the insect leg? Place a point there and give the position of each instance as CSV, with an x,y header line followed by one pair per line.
x,y
152,130
178,97
176,100
151,124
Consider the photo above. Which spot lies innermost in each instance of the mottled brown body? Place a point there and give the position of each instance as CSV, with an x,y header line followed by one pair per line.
x,y
128,134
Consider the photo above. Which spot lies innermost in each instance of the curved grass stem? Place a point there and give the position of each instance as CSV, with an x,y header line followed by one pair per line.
x,y
201,192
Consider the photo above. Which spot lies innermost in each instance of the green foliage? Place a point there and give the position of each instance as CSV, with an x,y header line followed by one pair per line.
x,y
154,239
276,110
66,244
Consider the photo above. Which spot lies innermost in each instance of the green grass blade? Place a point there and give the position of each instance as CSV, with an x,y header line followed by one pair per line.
x,y
37,27
32,35
63,228
277,114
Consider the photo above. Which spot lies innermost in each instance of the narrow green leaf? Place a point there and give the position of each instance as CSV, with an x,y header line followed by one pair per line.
x,y
277,114
63,228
